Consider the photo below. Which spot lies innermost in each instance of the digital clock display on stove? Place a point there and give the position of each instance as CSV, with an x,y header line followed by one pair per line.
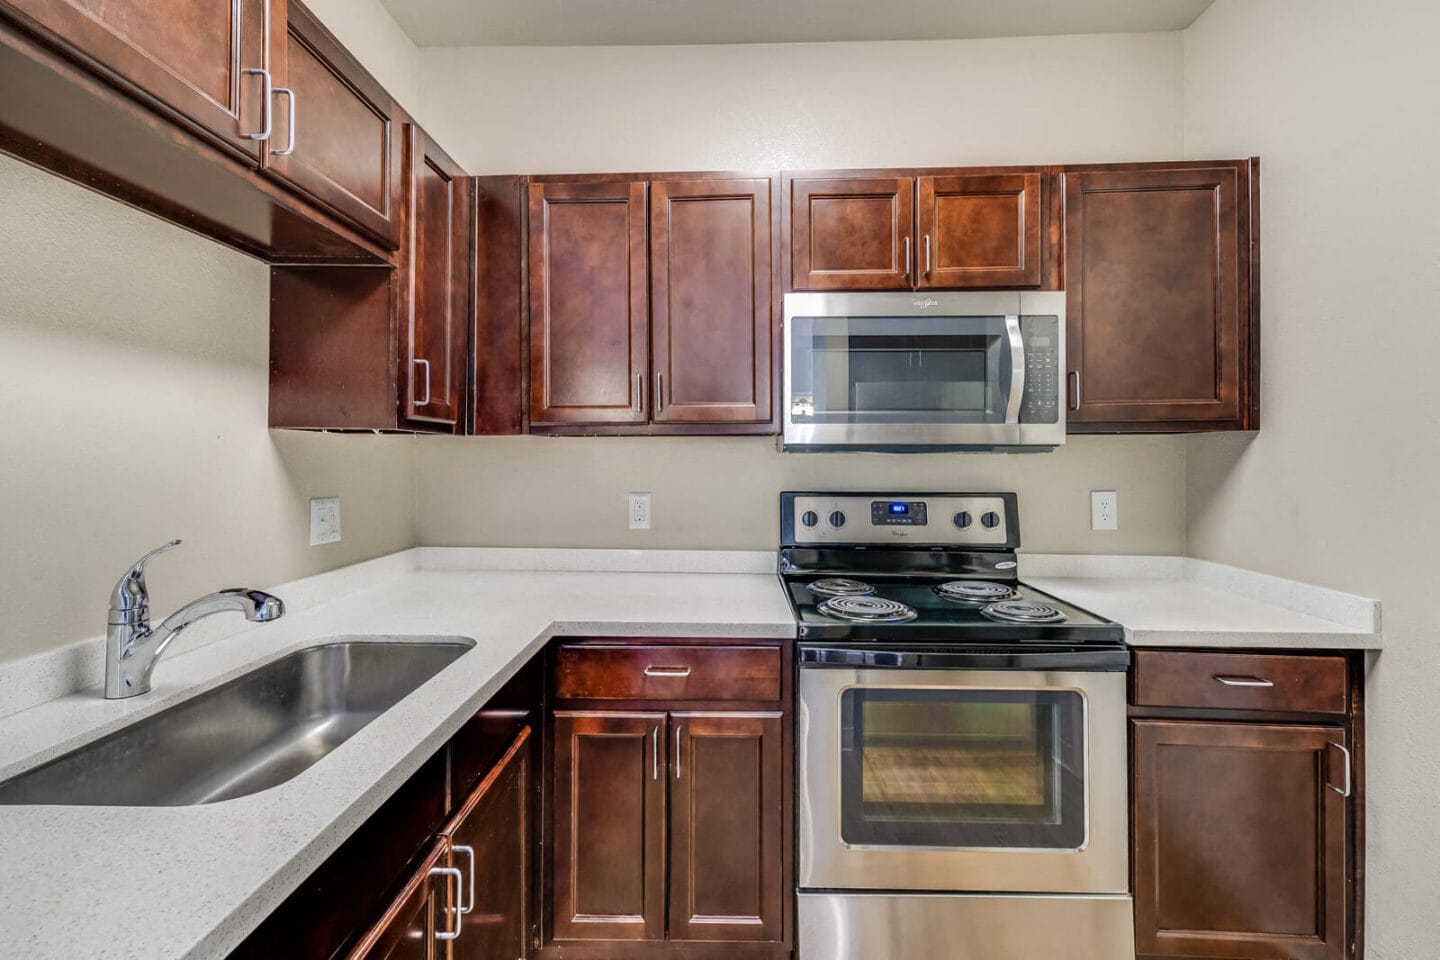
x,y
892,512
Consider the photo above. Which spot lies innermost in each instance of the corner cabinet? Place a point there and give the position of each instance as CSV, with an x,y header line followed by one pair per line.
x,y
1245,780
671,759
1161,279
651,306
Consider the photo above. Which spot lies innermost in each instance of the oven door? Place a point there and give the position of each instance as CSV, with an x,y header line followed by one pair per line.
x,y
963,780
878,370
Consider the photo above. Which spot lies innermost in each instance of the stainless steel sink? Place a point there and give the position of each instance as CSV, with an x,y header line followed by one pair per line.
x,y
247,735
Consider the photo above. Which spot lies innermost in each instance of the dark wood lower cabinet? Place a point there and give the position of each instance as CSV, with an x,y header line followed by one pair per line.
x,y
424,911
725,827
1241,840
489,841
609,810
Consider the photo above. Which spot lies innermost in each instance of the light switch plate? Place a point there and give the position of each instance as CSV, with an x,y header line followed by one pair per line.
x,y
324,521
639,506
1104,510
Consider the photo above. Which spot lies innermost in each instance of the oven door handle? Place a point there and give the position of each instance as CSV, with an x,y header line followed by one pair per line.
x,y
1017,369
1098,659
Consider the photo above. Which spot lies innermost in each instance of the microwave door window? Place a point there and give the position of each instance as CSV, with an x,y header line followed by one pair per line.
x,y
856,373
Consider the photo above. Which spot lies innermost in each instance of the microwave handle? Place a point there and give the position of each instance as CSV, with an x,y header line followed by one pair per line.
x,y
1017,369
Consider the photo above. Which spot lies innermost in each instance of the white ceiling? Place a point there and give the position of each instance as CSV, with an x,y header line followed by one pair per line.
x,y
456,23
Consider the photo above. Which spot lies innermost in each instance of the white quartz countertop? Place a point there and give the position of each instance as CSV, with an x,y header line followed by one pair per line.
x,y
166,883
191,882
1182,602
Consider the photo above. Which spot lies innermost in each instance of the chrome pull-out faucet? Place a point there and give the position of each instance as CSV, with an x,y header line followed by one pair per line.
x,y
132,646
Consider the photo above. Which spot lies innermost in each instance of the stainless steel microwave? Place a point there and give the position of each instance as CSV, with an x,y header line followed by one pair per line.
x,y
909,372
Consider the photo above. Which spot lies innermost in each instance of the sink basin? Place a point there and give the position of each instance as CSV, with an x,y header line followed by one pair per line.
x,y
246,735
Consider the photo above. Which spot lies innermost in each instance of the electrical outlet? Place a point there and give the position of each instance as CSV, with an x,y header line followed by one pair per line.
x,y
1104,510
639,511
324,521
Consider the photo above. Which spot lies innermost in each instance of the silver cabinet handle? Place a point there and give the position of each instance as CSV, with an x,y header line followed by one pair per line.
x,y
678,728
266,112
907,258
469,852
927,254
639,404
667,671
1346,791
459,916
290,127
1244,681
655,753
421,403
659,391
1075,394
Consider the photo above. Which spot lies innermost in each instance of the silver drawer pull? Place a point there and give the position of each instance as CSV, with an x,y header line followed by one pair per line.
x,y
667,671
290,136
1244,681
266,111
1346,791
459,915
418,361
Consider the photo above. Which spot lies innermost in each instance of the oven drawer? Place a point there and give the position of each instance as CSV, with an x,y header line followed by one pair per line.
x,y
670,671
1241,681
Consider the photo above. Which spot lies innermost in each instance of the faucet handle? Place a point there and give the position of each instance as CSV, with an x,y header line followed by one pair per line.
x,y
130,603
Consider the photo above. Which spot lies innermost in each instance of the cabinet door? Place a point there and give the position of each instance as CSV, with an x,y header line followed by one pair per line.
x,y
1240,840
726,860
710,301
193,56
588,295
609,816
335,137
423,910
854,234
979,230
1157,283
490,843
435,307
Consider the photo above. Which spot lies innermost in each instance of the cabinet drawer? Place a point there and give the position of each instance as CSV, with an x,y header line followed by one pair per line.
x,y
1241,681
666,672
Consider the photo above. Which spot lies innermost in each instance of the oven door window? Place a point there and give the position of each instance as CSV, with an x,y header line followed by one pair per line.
x,y
963,768
899,370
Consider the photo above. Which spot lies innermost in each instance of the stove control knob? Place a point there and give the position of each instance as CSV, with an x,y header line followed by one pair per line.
x,y
809,518
963,519
837,519
991,520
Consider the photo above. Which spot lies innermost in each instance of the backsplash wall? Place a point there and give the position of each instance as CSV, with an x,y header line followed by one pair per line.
x,y
798,106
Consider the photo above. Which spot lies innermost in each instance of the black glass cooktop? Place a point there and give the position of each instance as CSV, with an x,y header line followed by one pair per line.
x,y
886,611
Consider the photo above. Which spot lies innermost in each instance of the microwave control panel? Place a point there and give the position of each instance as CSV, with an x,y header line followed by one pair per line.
x,y
959,520
1041,401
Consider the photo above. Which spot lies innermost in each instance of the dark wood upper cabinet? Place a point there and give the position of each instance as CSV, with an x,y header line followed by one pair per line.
x,y
852,234
203,62
1240,840
588,300
726,871
1162,328
435,282
609,825
710,300
345,150
979,230
490,842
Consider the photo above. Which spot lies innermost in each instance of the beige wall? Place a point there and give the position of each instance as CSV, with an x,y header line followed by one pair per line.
x,y
761,107
134,380
1338,488
133,377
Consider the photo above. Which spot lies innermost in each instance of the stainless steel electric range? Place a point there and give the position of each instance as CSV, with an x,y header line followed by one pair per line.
x,y
962,752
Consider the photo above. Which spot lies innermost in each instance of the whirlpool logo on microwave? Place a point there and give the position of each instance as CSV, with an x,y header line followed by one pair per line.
x,y
925,302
